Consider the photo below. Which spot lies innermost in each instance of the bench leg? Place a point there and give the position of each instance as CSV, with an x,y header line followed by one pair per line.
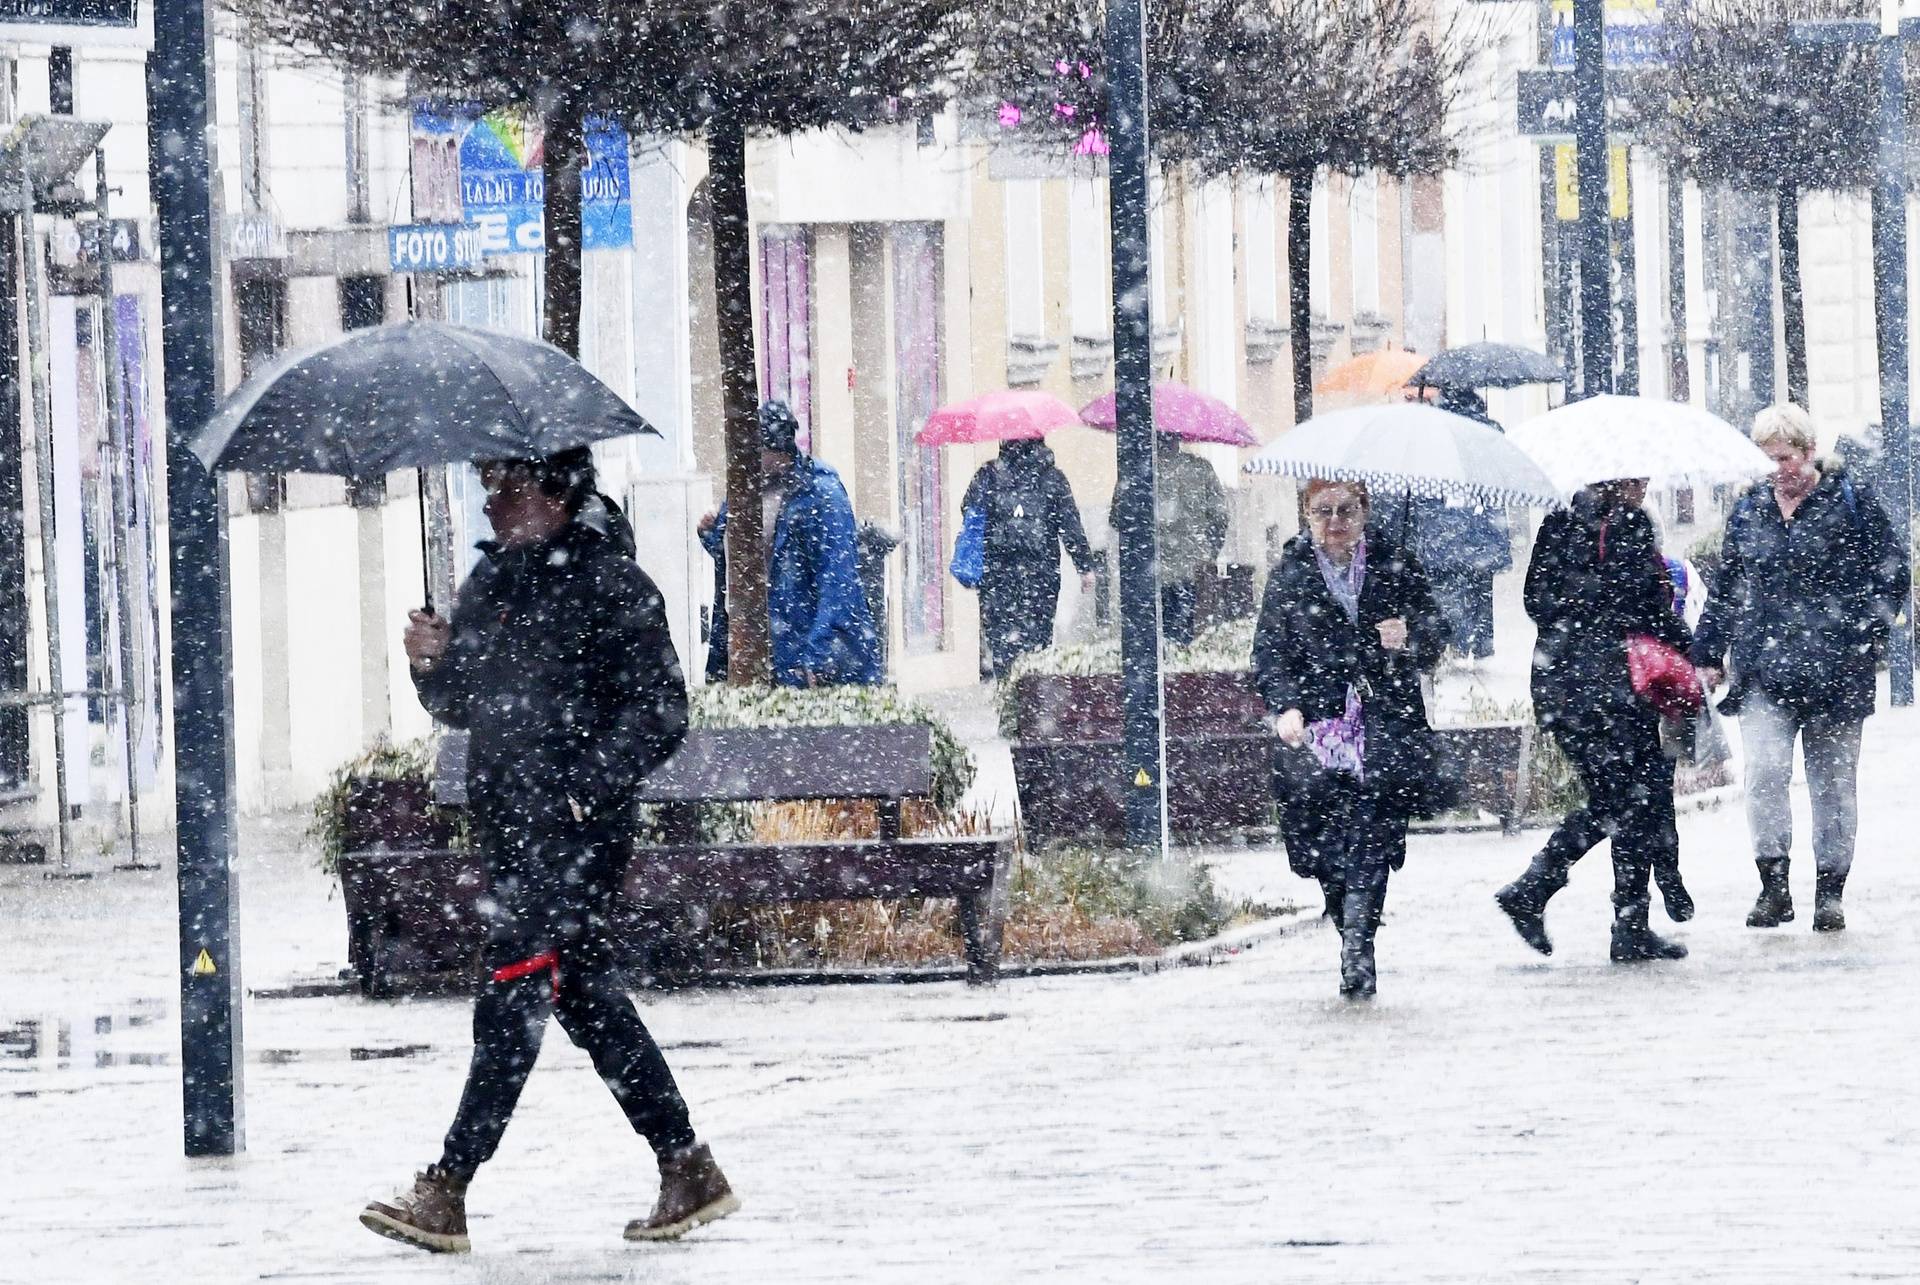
x,y
983,918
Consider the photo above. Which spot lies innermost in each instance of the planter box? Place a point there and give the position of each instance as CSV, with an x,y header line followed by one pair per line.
x,y
1070,773
410,897
412,916
1216,785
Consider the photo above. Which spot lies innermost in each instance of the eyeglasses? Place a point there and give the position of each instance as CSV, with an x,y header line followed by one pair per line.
x,y
1346,512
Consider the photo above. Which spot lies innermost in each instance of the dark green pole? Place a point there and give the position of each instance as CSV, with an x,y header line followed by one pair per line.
x,y
180,164
1144,732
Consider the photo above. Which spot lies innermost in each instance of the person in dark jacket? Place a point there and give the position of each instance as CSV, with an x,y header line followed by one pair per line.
x,y
1596,580
1811,577
1030,516
559,665
1464,546
822,624
1347,626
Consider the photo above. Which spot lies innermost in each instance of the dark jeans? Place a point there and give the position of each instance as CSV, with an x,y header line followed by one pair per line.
x,y
548,951
1017,602
1629,785
1467,602
1177,603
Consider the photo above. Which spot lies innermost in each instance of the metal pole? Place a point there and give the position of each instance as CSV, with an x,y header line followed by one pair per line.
x,y
1890,328
43,472
1144,735
1590,168
117,476
180,163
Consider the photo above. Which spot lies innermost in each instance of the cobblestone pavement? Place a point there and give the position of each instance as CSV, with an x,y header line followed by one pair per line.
x,y
1749,1115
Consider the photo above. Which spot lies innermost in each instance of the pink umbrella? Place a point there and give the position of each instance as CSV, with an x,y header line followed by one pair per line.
x,y
1185,412
1010,415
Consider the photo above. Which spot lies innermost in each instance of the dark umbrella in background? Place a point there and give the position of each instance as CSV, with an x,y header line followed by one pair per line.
x,y
415,394
1488,365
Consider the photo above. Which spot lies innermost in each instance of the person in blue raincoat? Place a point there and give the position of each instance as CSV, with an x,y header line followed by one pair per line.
x,y
822,626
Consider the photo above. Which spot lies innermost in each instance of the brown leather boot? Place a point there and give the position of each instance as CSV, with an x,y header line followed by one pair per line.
x,y
692,1191
432,1216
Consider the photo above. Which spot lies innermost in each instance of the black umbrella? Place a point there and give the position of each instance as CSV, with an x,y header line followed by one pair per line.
x,y
412,395
1488,365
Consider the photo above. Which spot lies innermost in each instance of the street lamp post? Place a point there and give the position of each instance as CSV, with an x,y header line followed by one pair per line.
x,y
180,164
1143,733
1590,170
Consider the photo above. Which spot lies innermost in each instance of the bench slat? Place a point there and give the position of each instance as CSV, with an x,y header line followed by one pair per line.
x,y
761,873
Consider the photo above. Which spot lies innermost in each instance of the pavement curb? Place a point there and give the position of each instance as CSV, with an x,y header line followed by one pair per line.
x,y
1214,950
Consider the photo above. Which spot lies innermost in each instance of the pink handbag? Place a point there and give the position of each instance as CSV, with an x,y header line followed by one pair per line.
x,y
1663,678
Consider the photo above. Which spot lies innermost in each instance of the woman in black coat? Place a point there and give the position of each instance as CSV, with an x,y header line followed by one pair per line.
x,y
1347,627
1596,580
1030,516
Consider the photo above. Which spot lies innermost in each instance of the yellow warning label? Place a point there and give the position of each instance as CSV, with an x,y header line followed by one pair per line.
x,y
1141,779
1566,183
203,966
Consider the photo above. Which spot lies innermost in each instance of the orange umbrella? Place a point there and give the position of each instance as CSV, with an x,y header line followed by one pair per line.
x,y
1376,374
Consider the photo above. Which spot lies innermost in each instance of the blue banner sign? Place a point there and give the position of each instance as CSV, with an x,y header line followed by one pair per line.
x,y
503,187
433,247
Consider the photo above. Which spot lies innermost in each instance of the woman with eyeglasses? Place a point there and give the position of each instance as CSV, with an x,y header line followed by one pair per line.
x,y
1347,627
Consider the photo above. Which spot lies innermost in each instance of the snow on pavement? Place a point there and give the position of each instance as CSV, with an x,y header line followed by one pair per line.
x,y
1748,1115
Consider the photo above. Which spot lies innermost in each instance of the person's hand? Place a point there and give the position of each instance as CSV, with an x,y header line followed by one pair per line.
x,y
1710,676
707,520
425,639
1086,582
1393,633
1291,728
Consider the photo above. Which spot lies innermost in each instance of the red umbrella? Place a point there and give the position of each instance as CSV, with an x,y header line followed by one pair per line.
x,y
1185,412
1010,415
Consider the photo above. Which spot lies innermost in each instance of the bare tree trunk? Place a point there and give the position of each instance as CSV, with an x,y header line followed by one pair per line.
x,y
565,150
748,654
1793,303
1300,290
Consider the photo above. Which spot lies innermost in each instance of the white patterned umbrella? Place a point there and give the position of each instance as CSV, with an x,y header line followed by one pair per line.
x,y
1609,436
1408,448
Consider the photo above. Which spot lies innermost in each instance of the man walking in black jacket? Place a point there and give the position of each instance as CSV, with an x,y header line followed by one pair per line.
x,y
559,664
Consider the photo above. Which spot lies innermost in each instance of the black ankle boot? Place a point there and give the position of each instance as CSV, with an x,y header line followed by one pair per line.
x,y
1335,892
1634,942
1358,976
1525,901
1673,893
1775,904
1828,917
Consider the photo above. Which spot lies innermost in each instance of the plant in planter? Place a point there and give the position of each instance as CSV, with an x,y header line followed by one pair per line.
x,y
408,885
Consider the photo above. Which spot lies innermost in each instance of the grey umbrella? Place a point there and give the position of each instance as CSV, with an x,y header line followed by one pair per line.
x,y
411,395
1488,365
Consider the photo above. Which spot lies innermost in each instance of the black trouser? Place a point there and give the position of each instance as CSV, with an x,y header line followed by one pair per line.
x,y
1017,601
548,950
1177,603
1629,785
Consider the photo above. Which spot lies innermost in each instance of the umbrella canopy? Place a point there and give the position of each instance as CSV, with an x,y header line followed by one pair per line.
x,y
1383,373
412,395
1607,437
1488,365
1408,448
1010,415
1187,413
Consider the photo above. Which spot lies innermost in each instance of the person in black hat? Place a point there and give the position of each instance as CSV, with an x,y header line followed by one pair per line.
x,y
559,664
822,625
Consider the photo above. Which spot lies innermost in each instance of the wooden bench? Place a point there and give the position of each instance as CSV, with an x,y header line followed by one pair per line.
x,y
885,765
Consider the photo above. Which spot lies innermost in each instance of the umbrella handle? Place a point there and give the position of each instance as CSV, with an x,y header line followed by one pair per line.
x,y
426,557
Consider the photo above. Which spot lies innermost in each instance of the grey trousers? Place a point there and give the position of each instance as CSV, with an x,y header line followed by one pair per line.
x,y
1831,752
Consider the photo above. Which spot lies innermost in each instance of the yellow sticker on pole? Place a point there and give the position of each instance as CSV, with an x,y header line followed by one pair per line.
x,y
1141,779
203,966
1566,183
